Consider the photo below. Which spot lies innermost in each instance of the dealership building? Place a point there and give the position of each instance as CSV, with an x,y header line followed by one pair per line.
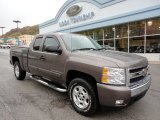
x,y
124,25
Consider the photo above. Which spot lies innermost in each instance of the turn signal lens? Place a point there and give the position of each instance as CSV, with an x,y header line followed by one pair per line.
x,y
104,78
105,71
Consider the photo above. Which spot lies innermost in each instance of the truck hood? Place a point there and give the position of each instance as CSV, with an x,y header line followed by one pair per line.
x,y
121,59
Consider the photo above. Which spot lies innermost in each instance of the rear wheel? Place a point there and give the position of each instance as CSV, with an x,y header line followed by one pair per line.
x,y
19,73
83,97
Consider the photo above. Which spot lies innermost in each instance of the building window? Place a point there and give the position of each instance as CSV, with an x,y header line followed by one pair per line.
x,y
153,26
121,36
153,44
89,33
137,35
98,36
153,35
109,37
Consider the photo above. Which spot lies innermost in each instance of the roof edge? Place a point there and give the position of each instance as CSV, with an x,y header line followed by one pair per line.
x,y
98,3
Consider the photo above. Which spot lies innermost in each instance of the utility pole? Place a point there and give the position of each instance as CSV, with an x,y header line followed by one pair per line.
x,y
17,22
2,30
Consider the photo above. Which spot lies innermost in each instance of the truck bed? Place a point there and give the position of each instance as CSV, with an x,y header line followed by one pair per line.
x,y
22,53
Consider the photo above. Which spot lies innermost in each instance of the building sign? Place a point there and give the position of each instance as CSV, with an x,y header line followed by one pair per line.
x,y
77,19
74,10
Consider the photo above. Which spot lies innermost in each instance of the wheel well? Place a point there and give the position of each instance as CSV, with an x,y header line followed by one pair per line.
x,y
90,79
74,74
14,59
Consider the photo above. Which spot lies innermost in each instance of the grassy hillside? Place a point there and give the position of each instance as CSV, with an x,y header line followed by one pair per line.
x,y
30,30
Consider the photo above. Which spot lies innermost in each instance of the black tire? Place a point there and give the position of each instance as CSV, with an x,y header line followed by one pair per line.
x,y
22,73
93,101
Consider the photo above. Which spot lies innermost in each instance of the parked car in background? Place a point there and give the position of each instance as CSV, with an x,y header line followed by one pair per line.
x,y
108,47
7,45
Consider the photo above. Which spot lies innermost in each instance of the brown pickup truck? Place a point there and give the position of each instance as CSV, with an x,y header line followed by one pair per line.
x,y
90,74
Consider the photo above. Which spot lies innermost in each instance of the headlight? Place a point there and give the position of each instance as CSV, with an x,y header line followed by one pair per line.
x,y
114,76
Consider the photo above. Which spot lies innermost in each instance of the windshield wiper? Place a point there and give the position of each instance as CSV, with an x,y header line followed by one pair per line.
x,y
84,49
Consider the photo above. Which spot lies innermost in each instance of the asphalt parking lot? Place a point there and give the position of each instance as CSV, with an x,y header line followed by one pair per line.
x,y
29,100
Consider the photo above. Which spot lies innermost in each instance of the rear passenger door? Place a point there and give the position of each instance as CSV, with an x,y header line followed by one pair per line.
x,y
34,55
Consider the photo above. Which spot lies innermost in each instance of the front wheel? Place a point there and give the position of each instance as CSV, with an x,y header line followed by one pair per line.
x,y
19,73
83,97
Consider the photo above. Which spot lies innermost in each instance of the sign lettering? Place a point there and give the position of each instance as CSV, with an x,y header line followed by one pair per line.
x,y
77,19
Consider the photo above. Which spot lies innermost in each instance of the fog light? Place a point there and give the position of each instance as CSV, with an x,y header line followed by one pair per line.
x,y
119,102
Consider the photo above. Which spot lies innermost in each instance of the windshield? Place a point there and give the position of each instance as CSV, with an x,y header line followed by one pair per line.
x,y
79,42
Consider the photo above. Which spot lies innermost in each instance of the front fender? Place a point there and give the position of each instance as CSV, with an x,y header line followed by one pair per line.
x,y
83,66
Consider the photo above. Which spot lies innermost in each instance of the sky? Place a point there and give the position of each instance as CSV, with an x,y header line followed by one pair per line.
x,y
29,12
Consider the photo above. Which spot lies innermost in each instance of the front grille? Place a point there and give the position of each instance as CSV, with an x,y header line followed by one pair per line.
x,y
136,79
136,69
136,75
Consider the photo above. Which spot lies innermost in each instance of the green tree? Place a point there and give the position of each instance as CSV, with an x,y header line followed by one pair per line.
x,y
29,30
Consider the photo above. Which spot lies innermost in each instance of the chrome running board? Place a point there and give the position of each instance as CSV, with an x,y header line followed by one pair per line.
x,y
48,83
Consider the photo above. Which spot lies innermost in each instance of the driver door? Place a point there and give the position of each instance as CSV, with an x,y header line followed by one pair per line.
x,y
50,60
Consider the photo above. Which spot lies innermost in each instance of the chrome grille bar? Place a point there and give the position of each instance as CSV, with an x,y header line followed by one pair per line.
x,y
137,74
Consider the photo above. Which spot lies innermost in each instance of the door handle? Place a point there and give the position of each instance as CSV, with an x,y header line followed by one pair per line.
x,y
42,58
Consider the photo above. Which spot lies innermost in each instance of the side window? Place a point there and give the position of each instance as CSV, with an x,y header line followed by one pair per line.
x,y
50,41
37,43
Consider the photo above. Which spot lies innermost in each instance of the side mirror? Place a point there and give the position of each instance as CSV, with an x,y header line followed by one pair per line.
x,y
53,49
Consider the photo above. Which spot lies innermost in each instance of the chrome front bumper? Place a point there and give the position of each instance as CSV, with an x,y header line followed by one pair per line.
x,y
108,95
143,86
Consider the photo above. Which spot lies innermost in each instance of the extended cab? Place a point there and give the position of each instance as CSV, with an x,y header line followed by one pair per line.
x,y
77,64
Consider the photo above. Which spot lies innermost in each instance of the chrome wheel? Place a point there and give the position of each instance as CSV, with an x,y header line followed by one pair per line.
x,y
81,97
16,69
